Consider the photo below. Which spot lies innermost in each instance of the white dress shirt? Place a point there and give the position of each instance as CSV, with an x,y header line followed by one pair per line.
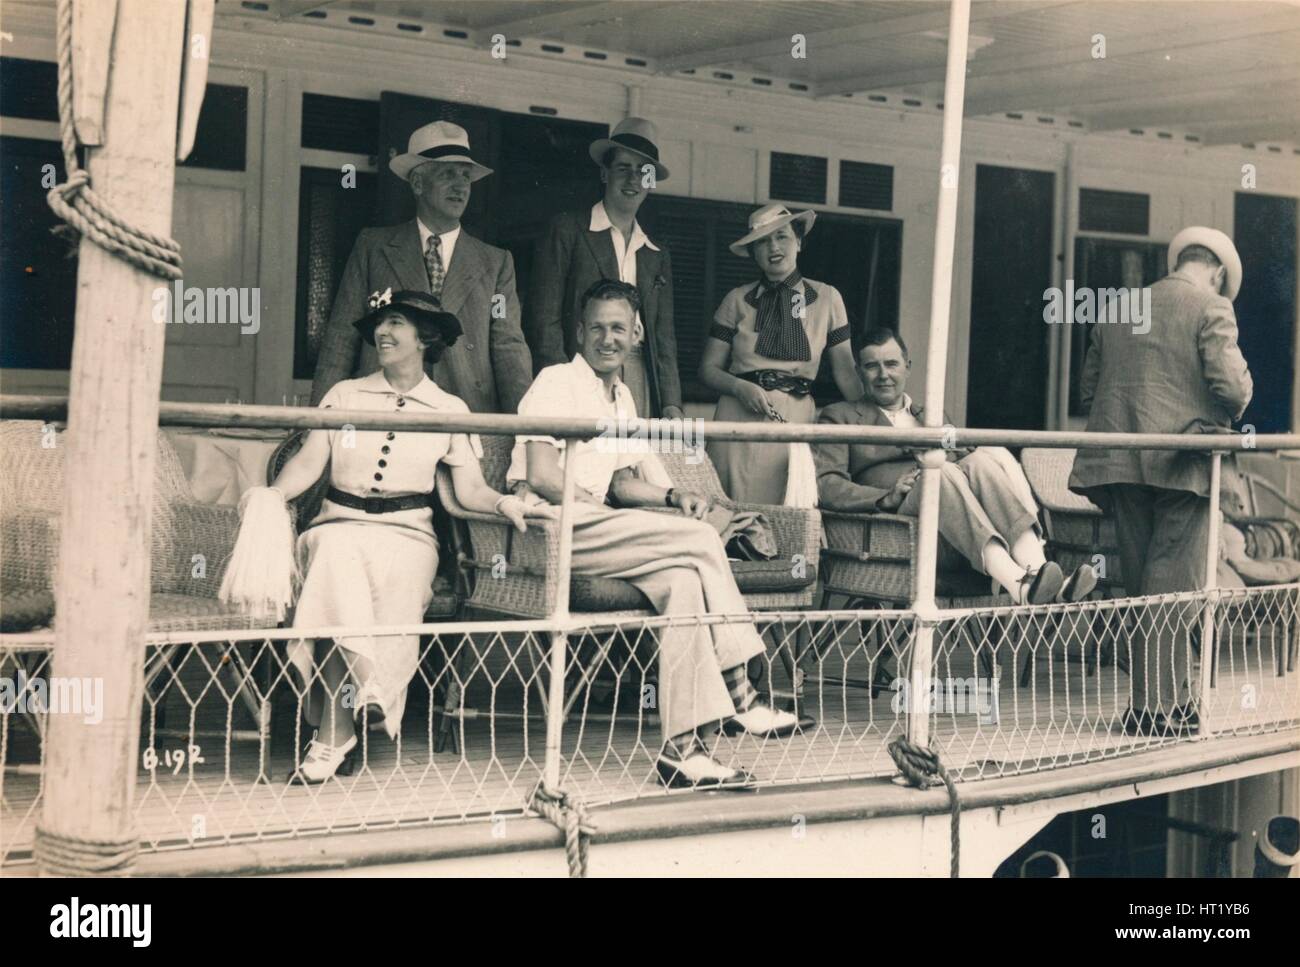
x,y
624,251
447,246
901,417
573,389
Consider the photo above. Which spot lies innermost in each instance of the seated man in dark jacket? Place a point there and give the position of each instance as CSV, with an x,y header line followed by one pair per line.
x,y
985,509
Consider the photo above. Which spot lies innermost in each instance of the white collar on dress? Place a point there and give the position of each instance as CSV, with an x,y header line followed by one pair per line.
x,y
426,390
600,223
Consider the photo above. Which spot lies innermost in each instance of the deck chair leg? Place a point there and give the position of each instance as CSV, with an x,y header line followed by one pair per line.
x,y
162,660
447,729
588,671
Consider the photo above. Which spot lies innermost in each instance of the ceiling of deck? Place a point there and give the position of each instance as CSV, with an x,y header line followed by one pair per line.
x,y
1226,70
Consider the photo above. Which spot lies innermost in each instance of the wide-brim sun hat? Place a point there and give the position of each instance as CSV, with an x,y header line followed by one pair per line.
x,y
439,141
1216,242
767,220
636,135
415,306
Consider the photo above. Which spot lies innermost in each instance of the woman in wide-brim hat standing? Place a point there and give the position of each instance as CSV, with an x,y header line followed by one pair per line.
x,y
764,349
370,555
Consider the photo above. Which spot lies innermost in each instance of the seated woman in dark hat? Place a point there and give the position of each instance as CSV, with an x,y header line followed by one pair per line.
x,y
370,555
765,348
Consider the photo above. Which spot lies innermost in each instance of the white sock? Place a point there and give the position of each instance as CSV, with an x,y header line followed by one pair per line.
x,y
1002,568
1028,550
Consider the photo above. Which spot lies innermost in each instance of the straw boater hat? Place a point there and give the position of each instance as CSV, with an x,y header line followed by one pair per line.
x,y
416,306
767,220
636,135
1216,242
439,141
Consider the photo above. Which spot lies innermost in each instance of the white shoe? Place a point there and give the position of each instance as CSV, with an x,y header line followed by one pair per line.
x,y
699,770
762,720
322,760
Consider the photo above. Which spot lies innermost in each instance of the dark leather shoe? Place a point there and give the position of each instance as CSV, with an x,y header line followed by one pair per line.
x,y
1186,715
1151,723
1042,586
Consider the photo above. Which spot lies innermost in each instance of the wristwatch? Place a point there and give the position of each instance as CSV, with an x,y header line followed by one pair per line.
x,y
668,497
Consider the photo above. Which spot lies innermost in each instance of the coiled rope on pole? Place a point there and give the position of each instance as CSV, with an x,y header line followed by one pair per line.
x,y
59,855
570,816
919,766
75,201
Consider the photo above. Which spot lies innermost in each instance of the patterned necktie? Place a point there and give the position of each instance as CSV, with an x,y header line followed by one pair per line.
x,y
433,262
781,334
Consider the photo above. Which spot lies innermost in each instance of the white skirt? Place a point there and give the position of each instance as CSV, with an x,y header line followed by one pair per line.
x,y
364,574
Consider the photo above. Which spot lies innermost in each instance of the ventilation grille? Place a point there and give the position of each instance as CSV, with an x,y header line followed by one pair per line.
x,y
1128,213
345,124
865,185
797,177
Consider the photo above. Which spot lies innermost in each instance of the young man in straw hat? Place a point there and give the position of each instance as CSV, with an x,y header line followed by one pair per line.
x,y
1185,374
490,367
579,248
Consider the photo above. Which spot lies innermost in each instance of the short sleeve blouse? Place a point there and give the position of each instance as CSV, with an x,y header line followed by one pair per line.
x,y
825,322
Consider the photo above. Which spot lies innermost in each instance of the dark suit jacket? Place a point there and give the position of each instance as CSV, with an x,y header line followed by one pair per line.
x,y
1185,375
852,477
566,261
489,367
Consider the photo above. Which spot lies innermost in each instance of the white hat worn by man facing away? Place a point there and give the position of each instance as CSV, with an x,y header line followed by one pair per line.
x,y
1220,245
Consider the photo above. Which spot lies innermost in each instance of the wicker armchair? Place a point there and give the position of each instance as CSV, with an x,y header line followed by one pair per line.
x,y
871,560
183,596
1077,531
522,570
528,585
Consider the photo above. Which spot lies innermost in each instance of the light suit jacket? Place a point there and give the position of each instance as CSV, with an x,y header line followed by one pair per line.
x,y
852,477
489,367
1185,375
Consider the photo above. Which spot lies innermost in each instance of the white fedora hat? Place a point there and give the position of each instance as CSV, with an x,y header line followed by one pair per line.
x,y
636,135
1216,242
439,141
767,220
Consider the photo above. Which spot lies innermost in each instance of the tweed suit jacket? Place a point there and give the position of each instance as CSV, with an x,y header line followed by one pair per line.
x,y
1185,375
566,261
489,367
852,477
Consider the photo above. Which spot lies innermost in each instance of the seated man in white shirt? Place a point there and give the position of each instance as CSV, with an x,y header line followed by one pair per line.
x,y
676,560
986,511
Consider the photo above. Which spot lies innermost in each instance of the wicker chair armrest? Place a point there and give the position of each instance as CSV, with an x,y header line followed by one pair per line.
x,y
29,549
869,536
207,529
509,572
796,530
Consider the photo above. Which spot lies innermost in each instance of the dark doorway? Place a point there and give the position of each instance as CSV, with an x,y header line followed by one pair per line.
x,y
1007,369
1122,839
1264,230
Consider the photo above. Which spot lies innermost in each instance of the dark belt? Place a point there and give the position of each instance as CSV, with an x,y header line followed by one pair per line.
x,y
376,505
777,380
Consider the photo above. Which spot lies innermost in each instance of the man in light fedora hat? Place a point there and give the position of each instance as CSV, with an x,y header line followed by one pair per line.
x,y
606,241
1185,374
490,366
